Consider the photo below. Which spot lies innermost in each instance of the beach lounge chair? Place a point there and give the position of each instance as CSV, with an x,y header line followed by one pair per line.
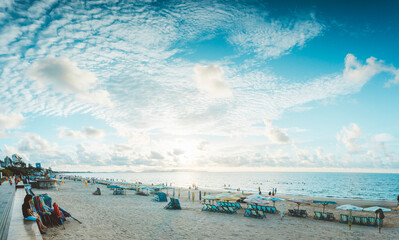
x,y
161,197
330,216
250,206
343,218
215,208
119,191
206,207
356,220
364,221
302,213
224,209
252,213
238,205
291,212
371,221
268,209
261,214
233,209
248,213
173,204
264,209
259,208
273,210
258,214
317,215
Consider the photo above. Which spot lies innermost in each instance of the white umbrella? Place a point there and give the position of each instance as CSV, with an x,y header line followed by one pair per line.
x,y
257,196
209,197
256,201
349,207
375,208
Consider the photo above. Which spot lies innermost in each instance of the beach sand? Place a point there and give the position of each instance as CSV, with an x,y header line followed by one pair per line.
x,y
137,217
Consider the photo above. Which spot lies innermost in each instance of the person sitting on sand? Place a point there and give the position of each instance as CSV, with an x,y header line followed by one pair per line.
x,y
30,215
97,192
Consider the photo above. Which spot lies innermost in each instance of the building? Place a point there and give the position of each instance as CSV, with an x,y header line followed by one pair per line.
x,y
7,162
38,165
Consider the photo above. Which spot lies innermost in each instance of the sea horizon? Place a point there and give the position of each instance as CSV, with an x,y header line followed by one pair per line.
x,y
360,186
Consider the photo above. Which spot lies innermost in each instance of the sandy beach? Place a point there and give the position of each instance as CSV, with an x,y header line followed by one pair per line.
x,y
137,217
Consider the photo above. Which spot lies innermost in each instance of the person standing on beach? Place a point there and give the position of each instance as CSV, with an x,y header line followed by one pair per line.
x,y
398,200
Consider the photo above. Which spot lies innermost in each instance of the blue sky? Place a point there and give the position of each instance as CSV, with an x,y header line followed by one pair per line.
x,y
205,85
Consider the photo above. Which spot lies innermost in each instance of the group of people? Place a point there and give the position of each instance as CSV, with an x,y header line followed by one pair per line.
x,y
271,193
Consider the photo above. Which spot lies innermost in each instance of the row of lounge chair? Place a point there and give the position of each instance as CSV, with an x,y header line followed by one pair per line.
x,y
297,213
221,208
324,216
264,209
367,221
119,191
255,213
229,204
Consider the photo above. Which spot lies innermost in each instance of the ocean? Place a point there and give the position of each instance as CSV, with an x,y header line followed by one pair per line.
x,y
368,186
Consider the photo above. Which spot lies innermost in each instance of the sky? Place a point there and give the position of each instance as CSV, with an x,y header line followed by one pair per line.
x,y
113,85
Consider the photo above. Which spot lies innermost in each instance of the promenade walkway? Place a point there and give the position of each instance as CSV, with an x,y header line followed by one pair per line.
x,y
7,192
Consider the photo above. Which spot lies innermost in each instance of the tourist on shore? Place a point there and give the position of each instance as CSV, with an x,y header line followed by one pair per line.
x,y
398,200
97,192
30,215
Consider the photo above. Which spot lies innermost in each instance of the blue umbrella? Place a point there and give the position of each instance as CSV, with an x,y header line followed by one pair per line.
x,y
274,200
324,203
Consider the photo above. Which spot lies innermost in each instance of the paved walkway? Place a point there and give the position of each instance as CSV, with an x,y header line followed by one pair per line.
x,y
6,197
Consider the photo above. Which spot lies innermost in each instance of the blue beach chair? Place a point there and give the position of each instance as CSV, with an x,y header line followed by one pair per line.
x,y
161,197
173,204
273,210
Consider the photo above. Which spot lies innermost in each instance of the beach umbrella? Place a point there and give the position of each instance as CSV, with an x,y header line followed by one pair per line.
x,y
274,200
256,201
240,195
349,207
298,201
324,203
256,196
209,197
148,188
375,208
228,198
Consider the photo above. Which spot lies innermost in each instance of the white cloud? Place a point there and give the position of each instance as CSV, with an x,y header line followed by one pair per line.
x,y
211,80
384,137
34,143
10,121
349,137
358,74
65,76
275,134
91,132
272,38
